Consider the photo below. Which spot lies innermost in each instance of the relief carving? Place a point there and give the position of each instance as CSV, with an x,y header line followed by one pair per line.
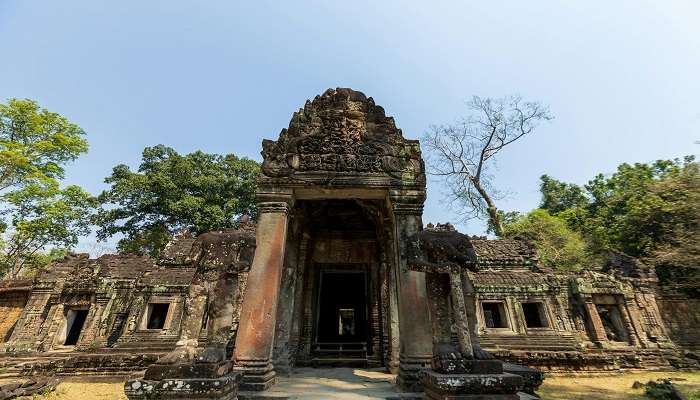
x,y
342,131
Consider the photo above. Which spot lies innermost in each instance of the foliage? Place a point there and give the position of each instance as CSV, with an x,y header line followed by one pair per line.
x,y
677,252
650,211
624,211
558,245
171,192
662,390
559,196
35,144
463,153
40,220
41,216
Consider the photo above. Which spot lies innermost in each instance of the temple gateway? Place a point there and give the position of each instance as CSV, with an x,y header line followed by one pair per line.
x,y
340,270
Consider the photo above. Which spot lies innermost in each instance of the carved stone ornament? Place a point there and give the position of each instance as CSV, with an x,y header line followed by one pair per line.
x,y
441,249
342,132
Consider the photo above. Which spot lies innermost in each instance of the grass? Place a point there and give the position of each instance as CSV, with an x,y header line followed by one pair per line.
x,y
613,387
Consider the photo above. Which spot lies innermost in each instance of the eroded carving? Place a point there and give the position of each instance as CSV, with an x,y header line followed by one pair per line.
x,y
342,131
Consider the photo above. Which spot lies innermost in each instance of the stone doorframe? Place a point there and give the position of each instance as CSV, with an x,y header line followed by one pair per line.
x,y
253,353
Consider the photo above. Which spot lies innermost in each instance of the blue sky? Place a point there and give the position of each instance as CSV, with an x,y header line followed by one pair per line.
x,y
621,77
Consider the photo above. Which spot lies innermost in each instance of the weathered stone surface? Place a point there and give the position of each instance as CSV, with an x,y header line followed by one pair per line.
x,y
221,388
471,386
29,389
340,134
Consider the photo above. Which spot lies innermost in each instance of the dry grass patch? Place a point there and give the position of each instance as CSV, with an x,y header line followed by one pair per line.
x,y
613,387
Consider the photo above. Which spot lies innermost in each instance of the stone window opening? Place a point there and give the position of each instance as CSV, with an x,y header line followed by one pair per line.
x,y
534,314
494,315
156,315
75,320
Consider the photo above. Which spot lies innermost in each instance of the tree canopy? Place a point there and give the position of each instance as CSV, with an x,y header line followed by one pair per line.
x,y
646,210
558,245
40,220
171,192
35,144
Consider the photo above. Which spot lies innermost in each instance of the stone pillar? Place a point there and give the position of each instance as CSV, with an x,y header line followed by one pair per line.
x,y
283,330
622,303
597,330
91,336
438,288
297,315
256,332
461,315
414,323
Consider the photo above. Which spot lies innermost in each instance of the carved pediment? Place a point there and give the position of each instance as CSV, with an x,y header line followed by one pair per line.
x,y
342,132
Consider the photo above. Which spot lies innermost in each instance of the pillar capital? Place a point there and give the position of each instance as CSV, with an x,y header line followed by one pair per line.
x,y
274,207
274,201
407,201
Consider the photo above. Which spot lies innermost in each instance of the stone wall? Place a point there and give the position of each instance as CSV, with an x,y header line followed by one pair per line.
x,y
13,298
681,316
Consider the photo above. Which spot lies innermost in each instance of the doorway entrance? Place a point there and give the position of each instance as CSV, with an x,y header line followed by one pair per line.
x,y
75,319
342,328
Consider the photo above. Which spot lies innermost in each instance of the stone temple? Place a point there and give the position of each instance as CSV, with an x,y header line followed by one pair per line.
x,y
340,270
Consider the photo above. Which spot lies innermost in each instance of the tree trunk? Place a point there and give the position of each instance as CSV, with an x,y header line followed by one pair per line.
x,y
492,210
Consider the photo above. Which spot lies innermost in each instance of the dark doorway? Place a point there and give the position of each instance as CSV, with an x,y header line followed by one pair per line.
x,y
75,320
612,322
342,308
494,315
157,312
533,315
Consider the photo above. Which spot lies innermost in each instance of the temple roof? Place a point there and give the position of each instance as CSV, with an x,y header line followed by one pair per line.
x,y
504,252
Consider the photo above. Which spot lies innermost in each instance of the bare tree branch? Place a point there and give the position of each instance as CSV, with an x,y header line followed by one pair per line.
x,y
463,153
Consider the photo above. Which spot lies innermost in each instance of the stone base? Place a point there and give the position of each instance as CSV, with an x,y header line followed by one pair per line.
x,y
257,376
157,372
503,386
222,388
532,378
409,376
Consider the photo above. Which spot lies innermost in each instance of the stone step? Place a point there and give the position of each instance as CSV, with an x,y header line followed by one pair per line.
x,y
351,362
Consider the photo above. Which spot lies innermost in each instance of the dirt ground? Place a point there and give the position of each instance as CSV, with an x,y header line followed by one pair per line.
x,y
608,387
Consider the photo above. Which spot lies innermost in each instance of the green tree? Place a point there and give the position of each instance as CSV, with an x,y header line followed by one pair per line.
x,y
558,196
35,144
40,220
558,245
171,192
647,210
625,214
42,216
676,253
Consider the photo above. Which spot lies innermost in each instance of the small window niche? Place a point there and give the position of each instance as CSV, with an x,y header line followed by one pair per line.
x,y
75,320
494,315
535,316
156,315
